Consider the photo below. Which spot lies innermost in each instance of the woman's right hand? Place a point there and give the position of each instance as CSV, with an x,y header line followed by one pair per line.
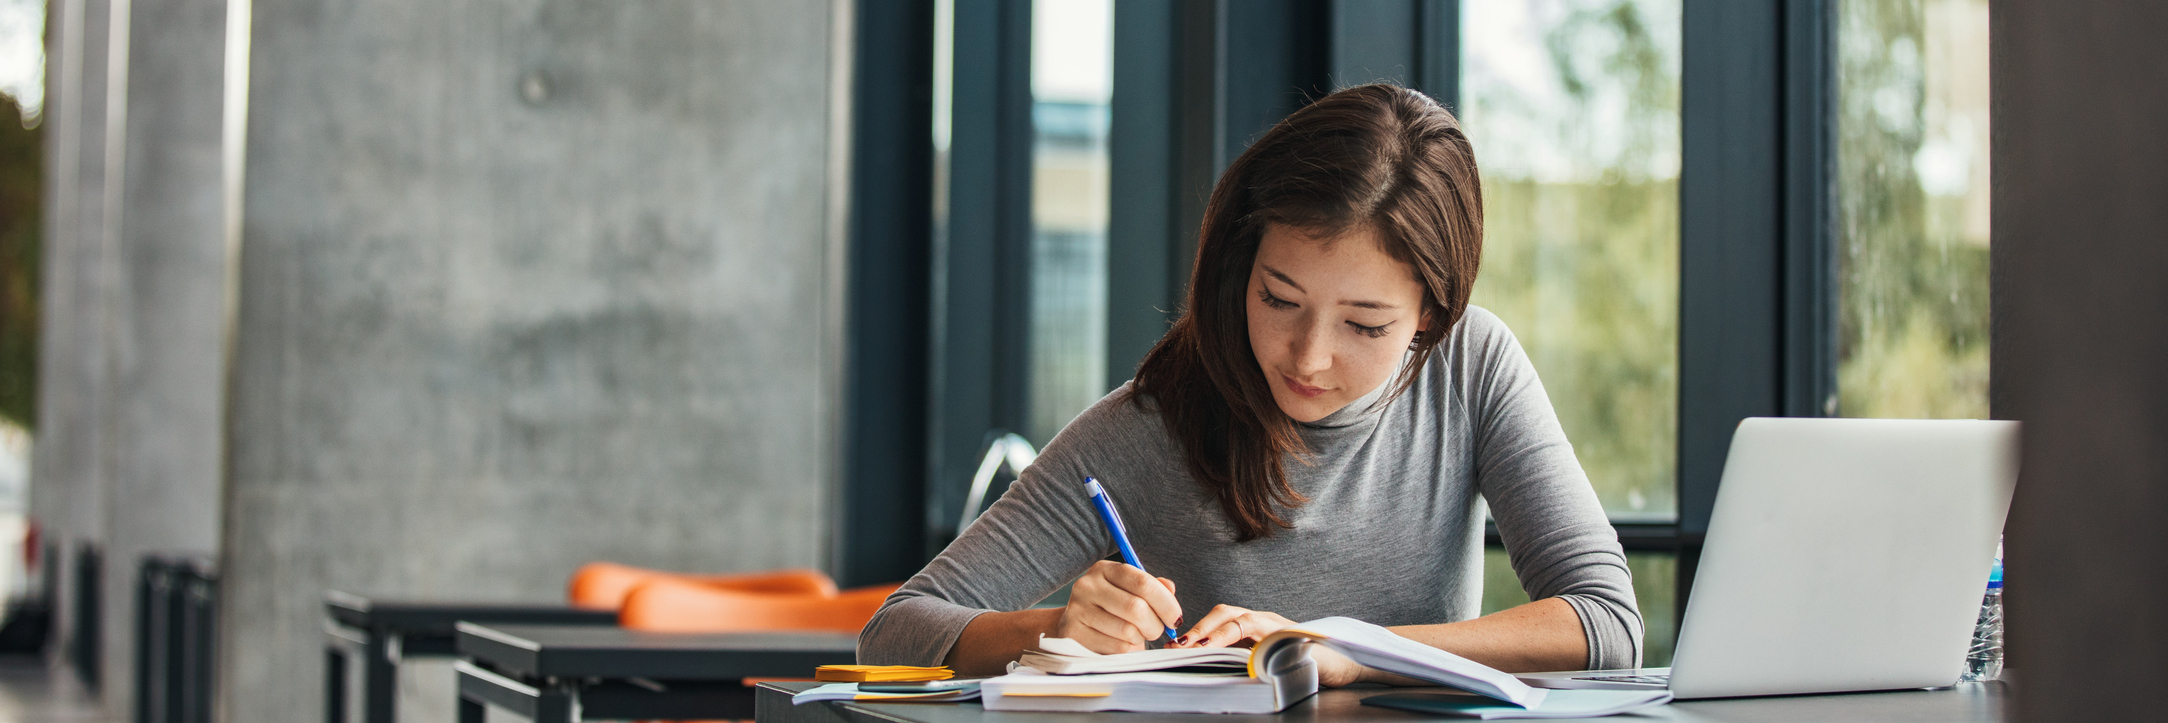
x,y
1115,608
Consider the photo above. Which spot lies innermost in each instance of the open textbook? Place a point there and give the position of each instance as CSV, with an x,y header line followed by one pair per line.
x,y
1275,674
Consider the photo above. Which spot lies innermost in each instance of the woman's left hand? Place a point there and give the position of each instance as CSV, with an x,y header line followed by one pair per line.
x,y
1228,625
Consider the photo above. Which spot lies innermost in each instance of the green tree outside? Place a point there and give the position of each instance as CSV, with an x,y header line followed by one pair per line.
x,y
21,196
1912,246
1581,237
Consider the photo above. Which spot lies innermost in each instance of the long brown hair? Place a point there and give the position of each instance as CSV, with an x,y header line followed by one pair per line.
x,y
1379,157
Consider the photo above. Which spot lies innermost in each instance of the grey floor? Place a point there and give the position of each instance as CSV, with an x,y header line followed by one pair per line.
x,y
32,693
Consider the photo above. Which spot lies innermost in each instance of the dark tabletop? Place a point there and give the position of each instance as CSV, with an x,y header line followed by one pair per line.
x,y
574,651
436,617
1966,703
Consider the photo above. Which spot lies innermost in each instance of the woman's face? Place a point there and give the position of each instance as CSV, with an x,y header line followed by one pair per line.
x,y
1330,317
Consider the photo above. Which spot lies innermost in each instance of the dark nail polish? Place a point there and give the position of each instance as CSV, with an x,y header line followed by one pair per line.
x,y
1178,621
1184,640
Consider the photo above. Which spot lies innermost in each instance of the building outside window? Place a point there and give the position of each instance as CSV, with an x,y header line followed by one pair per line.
x,y
1072,80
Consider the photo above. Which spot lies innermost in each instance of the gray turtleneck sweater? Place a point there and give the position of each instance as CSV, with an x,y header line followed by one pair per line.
x,y
1392,534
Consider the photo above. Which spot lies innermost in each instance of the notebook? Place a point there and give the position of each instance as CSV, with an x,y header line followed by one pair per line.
x,y
1277,673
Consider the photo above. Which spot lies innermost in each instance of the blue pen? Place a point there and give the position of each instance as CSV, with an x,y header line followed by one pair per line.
x,y
1116,528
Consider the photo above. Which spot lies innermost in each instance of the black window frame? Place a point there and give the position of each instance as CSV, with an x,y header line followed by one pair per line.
x,y
888,296
981,257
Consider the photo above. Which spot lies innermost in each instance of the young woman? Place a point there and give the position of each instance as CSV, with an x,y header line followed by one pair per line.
x,y
1310,439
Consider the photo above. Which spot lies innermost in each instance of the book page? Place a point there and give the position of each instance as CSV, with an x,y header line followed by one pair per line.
x,y
1379,648
1068,657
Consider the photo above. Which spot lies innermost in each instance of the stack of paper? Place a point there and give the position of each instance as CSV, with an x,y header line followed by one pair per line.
x,y
1028,689
879,673
1209,680
1062,656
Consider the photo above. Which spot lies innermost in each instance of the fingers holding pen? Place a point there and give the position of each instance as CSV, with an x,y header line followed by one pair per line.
x,y
1149,601
1156,593
1105,631
1117,608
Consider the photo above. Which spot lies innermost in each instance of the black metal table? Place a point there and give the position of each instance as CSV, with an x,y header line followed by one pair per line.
x,y
381,633
1966,703
561,674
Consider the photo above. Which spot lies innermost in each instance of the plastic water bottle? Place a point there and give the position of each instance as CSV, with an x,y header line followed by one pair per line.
x,y
1984,661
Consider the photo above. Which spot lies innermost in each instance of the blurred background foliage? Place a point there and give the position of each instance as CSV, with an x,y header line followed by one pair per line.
x,y
1573,106
20,203
1573,109
1912,199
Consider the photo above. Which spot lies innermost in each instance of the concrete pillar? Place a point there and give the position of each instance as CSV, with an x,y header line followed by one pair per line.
x,y
48,500
69,461
523,284
167,305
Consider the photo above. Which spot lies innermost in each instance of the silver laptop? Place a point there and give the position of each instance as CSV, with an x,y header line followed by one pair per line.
x,y
1842,555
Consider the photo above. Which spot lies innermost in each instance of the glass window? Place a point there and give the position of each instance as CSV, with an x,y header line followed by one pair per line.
x,y
1912,199
1072,79
1656,581
1573,107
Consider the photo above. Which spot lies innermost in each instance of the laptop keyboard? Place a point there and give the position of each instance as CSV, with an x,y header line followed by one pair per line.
x,y
1645,679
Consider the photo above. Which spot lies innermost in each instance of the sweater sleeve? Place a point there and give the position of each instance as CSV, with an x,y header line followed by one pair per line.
x,y
1036,538
1555,531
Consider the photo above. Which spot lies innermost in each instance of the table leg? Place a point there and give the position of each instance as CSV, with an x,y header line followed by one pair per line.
x,y
380,679
334,684
556,705
470,710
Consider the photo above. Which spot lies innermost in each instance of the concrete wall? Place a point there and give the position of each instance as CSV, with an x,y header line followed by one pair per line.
x,y
523,284
167,300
